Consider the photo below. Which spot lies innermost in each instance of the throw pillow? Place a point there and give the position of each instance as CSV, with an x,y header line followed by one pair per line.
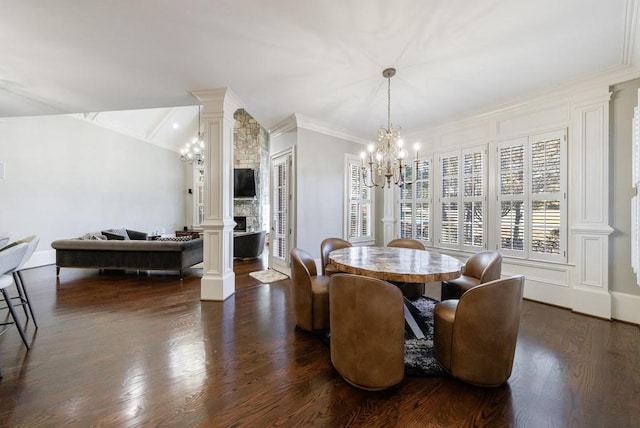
x,y
92,236
174,238
114,236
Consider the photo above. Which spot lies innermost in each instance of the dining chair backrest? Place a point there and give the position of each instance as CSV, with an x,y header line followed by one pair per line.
x,y
327,246
367,331
11,256
32,242
310,292
485,266
406,243
475,337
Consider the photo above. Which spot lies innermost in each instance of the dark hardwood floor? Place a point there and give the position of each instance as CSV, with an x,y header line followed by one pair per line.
x,y
119,350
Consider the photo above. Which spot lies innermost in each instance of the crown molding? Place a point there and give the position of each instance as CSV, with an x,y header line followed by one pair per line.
x,y
575,90
285,125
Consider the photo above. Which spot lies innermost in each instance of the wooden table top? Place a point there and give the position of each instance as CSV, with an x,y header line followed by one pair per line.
x,y
396,264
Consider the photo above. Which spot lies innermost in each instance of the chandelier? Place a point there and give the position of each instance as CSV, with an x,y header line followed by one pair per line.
x,y
388,159
193,151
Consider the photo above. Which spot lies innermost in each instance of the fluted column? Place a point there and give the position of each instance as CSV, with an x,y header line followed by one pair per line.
x,y
218,107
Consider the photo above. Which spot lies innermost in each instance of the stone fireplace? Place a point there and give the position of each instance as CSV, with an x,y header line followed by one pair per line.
x,y
251,150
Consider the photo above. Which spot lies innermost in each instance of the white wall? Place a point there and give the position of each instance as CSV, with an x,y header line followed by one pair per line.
x,y
320,187
65,177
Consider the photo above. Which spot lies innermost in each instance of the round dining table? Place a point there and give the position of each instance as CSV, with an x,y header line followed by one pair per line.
x,y
396,264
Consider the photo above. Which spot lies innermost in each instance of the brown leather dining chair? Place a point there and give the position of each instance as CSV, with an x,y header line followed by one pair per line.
x,y
409,289
310,292
367,331
479,268
406,243
475,337
327,246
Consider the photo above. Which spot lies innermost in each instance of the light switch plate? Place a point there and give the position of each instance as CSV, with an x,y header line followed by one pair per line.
x,y
1,170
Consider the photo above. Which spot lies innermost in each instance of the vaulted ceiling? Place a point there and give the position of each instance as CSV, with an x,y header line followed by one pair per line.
x,y
319,59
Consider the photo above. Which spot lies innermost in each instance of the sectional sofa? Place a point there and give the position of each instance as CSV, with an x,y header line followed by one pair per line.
x,y
133,251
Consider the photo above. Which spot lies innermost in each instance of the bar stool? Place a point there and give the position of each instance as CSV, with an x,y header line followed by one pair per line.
x,y
10,259
23,296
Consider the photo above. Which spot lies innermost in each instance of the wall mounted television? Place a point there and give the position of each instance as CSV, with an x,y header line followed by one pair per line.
x,y
244,183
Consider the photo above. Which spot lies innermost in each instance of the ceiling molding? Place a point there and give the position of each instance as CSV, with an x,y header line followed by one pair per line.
x,y
284,126
297,120
325,128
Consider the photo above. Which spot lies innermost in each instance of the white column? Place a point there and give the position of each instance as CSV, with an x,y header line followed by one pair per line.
x,y
218,107
589,151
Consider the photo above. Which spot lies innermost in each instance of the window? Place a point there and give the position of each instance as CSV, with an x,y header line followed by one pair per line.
x,y
449,220
463,199
359,215
532,197
415,203
280,194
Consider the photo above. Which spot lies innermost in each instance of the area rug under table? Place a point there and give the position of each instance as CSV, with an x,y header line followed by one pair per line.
x,y
268,275
419,358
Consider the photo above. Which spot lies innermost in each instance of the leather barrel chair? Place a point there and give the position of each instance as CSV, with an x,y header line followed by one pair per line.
x,y
327,246
478,269
410,290
475,337
367,331
310,292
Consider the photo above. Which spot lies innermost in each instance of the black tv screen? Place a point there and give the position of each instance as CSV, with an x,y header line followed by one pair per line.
x,y
244,183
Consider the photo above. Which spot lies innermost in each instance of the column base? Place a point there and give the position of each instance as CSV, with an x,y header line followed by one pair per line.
x,y
217,288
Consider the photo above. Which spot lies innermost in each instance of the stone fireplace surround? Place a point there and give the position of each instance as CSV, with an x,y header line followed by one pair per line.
x,y
251,150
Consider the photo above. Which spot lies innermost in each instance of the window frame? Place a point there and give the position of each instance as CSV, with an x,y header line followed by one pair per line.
x,y
460,199
529,197
354,161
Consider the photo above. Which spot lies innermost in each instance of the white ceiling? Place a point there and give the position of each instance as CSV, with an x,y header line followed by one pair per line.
x,y
320,59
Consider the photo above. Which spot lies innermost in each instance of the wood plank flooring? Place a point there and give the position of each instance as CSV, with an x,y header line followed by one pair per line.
x,y
119,350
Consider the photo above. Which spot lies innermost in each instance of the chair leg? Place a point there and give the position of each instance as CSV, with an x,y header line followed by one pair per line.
x,y
16,321
20,296
26,298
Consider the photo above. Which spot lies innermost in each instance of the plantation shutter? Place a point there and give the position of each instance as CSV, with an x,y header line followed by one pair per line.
x,y
359,212
545,196
473,199
450,170
415,203
511,196
280,188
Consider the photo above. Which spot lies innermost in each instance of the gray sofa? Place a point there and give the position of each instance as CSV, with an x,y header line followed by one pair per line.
x,y
126,253
248,245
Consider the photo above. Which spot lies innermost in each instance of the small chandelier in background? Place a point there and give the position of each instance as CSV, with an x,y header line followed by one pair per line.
x,y
193,151
388,159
